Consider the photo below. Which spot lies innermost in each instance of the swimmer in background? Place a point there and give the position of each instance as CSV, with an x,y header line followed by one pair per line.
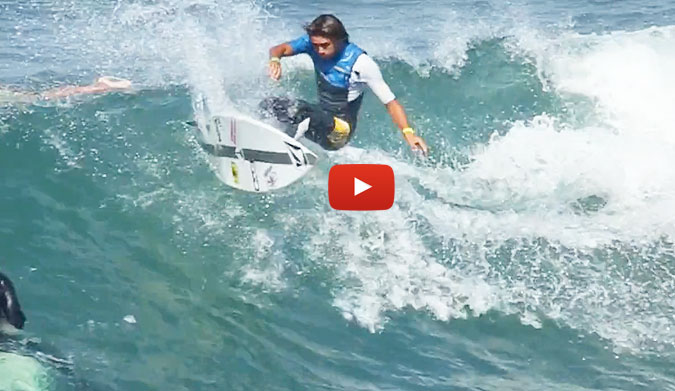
x,y
101,85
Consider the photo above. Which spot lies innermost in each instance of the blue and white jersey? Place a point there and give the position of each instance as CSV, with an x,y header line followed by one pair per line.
x,y
351,69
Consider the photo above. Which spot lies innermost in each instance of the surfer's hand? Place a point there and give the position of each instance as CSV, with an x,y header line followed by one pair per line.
x,y
416,143
274,69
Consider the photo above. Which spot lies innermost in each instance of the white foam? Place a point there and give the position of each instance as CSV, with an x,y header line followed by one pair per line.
x,y
627,74
512,236
266,266
22,373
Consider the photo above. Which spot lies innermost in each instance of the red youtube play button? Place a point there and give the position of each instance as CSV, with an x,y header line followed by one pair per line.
x,y
361,187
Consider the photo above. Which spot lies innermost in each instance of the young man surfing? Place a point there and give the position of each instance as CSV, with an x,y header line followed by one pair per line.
x,y
343,70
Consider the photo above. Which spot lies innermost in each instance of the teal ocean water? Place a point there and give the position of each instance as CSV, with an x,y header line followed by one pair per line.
x,y
532,251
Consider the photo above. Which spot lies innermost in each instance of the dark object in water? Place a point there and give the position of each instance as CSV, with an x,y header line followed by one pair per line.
x,y
10,309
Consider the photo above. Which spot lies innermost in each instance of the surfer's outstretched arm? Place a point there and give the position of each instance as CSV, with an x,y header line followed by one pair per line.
x,y
370,73
276,52
397,114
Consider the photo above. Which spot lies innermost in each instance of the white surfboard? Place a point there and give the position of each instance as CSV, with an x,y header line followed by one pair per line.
x,y
251,155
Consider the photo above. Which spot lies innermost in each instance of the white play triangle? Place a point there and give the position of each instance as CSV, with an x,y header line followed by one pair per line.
x,y
360,186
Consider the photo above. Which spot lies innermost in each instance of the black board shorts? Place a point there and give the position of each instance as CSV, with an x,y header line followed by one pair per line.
x,y
325,129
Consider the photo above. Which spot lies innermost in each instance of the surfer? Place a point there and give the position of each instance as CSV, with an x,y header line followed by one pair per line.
x,y
21,361
100,85
343,70
10,309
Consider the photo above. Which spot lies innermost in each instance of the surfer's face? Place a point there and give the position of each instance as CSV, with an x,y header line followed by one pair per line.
x,y
325,47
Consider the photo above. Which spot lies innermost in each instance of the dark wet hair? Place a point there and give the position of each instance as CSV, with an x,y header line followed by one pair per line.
x,y
328,26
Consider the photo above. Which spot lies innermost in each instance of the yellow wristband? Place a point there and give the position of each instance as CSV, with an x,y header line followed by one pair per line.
x,y
408,131
275,59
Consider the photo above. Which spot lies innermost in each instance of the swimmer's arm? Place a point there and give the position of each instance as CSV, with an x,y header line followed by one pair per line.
x,y
101,85
63,92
